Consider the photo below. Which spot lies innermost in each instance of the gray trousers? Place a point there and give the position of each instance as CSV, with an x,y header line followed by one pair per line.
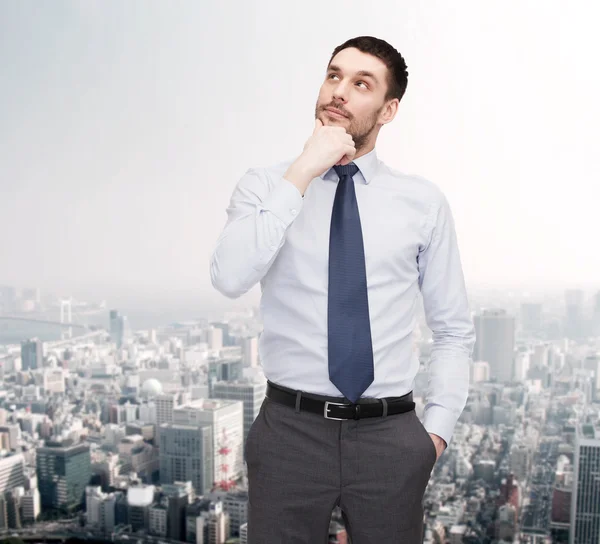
x,y
301,465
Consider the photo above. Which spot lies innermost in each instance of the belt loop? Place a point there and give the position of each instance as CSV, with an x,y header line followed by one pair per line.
x,y
385,405
298,399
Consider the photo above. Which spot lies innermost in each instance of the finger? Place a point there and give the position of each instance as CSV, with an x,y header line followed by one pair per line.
x,y
349,155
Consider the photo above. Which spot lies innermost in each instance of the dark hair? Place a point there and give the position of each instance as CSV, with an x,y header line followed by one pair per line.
x,y
397,75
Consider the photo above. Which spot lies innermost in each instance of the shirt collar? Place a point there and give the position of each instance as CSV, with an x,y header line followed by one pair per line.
x,y
367,166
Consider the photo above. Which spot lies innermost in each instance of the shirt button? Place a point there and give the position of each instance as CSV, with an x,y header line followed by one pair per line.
x,y
293,212
273,248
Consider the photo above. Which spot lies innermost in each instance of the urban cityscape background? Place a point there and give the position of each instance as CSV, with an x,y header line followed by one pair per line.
x,y
128,384
112,431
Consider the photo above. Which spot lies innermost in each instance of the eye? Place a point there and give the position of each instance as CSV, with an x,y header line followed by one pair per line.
x,y
335,75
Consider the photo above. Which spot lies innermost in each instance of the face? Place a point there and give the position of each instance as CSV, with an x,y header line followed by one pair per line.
x,y
359,96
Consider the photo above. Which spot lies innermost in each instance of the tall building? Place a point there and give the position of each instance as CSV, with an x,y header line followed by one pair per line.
x,y
214,338
179,496
592,363
596,315
522,364
574,316
32,354
13,507
227,339
250,351
495,343
186,454
166,403
520,461
119,328
139,501
236,505
585,500
64,470
217,523
100,509
196,512
3,514
158,518
226,420
224,370
12,472
560,517
251,394
506,523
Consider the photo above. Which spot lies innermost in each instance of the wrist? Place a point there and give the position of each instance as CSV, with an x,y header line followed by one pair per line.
x,y
299,175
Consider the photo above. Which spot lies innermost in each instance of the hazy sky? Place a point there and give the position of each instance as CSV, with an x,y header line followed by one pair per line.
x,y
124,127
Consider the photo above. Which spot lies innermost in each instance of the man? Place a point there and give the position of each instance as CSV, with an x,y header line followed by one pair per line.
x,y
342,245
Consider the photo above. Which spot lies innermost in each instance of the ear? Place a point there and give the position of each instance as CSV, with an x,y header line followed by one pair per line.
x,y
389,111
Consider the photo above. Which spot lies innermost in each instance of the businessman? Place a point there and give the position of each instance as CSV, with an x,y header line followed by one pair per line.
x,y
342,244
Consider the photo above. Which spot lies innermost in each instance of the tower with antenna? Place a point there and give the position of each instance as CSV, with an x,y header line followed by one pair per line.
x,y
226,482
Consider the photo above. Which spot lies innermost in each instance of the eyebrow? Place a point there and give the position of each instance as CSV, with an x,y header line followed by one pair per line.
x,y
362,73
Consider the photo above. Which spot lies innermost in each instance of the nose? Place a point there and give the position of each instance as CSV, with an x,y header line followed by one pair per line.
x,y
339,93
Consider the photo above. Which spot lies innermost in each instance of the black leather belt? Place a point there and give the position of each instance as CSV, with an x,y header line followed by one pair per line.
x,y
334,409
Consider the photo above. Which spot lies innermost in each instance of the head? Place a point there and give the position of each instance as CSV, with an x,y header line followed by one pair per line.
x,y
365,79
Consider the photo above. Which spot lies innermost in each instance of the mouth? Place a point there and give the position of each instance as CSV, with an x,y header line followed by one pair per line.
x,y
336,114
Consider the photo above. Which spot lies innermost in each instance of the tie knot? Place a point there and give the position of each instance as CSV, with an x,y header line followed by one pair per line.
x,y
346,170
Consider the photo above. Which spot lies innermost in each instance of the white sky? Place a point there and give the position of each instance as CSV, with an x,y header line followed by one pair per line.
x,y
126,125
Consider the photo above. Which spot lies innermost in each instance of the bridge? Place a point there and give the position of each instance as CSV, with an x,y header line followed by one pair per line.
x,y
65,323
4,317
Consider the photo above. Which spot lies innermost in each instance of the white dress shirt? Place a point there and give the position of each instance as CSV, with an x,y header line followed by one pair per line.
x,y
275,236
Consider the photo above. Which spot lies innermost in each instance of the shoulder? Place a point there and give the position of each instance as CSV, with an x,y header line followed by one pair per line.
x,y
419,187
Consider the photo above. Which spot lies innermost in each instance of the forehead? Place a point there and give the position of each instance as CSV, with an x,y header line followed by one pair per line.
x,y
351,60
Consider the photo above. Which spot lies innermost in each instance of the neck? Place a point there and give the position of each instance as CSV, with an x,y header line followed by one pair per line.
x,y
364,150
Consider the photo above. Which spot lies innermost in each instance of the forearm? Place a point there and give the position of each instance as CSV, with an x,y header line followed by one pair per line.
x,y
253,235
448,386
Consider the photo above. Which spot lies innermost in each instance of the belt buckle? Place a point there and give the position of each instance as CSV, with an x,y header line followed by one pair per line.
x,y
326,410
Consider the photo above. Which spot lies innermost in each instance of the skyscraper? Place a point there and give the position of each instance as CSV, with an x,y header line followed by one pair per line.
x,y
186,454
227,423
227,340
179,496
32,354
585,501
596,315
12,472
495,342
119,328
574,318
64,470
251,394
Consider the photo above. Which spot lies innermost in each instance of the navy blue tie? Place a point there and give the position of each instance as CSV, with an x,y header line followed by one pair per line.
x,y
350,350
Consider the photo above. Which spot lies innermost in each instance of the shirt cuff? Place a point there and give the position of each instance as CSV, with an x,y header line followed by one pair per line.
x,y
441,421
284,201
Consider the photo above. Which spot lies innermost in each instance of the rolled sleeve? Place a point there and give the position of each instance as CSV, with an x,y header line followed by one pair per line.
x,y
284,202
258,216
